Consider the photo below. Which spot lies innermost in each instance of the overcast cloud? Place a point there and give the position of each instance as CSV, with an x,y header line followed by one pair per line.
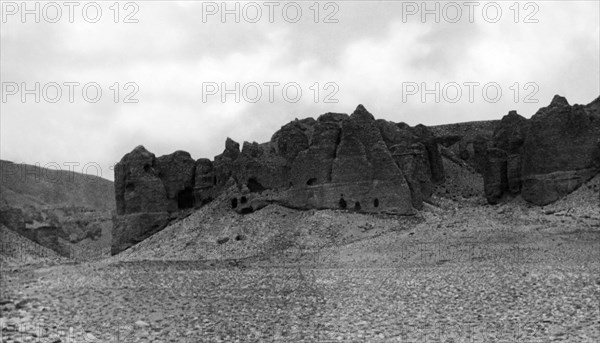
x,y
368,57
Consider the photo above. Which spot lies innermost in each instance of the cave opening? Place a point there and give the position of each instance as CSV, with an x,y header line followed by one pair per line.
x,y
254,186
357,206
243,200
234,203
311,181
343,204
246,210
185,198
376,202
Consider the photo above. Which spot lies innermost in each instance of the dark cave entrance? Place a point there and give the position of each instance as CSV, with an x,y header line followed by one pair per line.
x,y
246,210
254,186
376,202
185,198
312,181
357,206
343,204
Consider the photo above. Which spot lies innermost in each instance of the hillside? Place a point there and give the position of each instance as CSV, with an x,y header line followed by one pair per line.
x,y
24,184
58,209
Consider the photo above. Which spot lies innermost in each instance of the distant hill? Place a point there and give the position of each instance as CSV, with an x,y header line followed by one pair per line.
x,y
24,184
56,208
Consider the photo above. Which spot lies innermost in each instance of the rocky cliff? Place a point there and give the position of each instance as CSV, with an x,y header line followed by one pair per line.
x,y
336,161
545,157
358,163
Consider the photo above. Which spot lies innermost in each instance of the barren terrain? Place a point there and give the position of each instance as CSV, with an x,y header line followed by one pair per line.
x,y
458,272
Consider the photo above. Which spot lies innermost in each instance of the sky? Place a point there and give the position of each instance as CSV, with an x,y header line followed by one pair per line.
x,y
85,83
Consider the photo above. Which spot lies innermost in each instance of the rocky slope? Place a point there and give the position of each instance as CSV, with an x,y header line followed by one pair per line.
x,y
57,209
17,251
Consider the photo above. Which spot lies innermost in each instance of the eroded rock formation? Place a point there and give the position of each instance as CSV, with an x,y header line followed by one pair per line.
x,y
147,191
357,163
545,157
337,161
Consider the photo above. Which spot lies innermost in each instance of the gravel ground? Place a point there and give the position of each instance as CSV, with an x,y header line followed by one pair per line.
x,y
460,272
151,301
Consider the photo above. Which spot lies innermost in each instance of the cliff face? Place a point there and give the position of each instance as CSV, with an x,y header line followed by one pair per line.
x,y
337,161
545,157
358,163
473,138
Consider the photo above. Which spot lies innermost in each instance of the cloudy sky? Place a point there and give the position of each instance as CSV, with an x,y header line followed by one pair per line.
x,y
168,71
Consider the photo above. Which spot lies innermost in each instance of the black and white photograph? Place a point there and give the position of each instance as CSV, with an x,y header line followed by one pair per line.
x,y
348,171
